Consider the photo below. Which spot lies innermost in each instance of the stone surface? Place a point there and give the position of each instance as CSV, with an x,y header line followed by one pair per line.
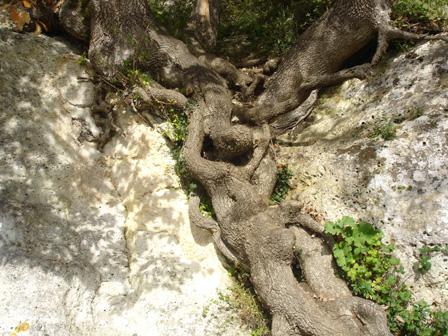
x,y
93,243
343,166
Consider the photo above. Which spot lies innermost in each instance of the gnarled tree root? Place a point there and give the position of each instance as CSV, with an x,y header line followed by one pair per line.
x,y
239,171
267,239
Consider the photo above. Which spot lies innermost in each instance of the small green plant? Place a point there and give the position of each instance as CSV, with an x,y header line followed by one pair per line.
x,y
414,113
282,186
179,123
243,298
421,15
424,256
177,134
133,76
387,131
138,78
365,261
173,15
371,270
266,27
82,60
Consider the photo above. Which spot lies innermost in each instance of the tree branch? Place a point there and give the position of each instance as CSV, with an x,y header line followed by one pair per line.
x,y
291,211
387,33
154,95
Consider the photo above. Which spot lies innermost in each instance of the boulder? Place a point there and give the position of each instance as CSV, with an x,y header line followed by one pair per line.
x,y
93,243
378,150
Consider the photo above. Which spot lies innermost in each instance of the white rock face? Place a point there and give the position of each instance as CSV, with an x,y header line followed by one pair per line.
x,y
93,243
401,185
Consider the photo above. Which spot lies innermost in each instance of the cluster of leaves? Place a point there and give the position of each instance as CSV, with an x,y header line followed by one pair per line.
x,y
282,185
424,256
244,299
363,258
32,15
133,76
421,15
269,27
369,267
177,134
173,15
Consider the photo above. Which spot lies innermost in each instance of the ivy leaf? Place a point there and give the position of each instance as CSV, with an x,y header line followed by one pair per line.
x,y
330,228
347,221
340,257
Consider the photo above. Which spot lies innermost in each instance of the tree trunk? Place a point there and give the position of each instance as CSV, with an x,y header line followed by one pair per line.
x,y
204,22
264,239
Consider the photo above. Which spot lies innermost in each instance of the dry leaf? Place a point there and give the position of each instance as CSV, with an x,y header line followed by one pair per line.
x,y
24,326
26,4
19,17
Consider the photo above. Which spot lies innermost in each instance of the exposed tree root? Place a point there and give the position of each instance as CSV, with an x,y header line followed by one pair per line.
x,y
266,239
238,171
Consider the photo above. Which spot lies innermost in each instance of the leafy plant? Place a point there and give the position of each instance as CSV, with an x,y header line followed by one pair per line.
x,y
82,60
424,256
371,270
421,15
387,131
362,257
269,27
282,186
173,15
134,76
243,298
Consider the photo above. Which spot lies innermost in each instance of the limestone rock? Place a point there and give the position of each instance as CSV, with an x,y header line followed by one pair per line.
x,y
93,243
344,166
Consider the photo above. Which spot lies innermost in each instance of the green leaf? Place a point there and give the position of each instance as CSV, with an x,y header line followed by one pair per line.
x,y
347,222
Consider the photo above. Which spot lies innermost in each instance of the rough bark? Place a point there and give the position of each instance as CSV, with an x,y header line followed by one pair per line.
x,y
264,239
74,18
320,53
204,22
